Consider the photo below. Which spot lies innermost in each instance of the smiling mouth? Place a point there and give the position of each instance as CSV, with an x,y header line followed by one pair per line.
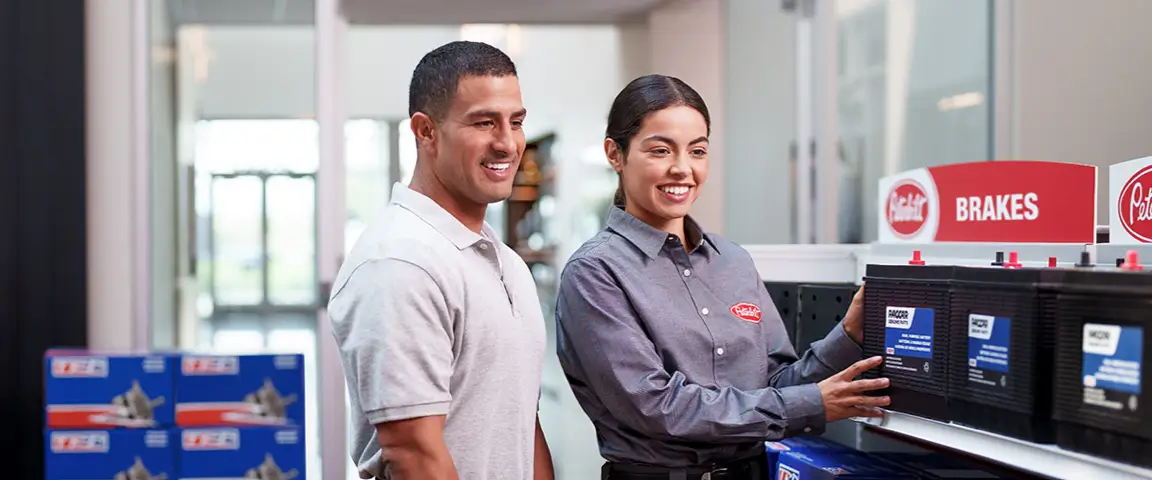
x,y
497,166
675,190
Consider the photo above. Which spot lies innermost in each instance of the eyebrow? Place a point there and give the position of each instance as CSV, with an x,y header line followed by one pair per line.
x,y
661,138
494,114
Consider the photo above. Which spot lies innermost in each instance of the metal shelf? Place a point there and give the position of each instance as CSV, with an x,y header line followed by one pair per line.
x,y
1047,460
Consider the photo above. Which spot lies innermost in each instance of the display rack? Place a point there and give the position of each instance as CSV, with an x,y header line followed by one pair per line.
x,y
822,263
1047,460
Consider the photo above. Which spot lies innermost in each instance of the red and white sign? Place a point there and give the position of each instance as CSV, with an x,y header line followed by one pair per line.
x,y
1000,201
1130,201
746,311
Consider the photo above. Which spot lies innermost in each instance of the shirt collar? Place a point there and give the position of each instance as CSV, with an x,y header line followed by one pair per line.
x,y
650,239
435,215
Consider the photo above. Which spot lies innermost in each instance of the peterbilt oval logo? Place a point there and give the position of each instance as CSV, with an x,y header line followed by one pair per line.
x,y
746,311
907,210
1135,205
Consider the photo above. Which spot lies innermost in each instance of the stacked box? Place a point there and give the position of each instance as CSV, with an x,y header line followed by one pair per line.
x,y
223,390
242,452
83,390
113,454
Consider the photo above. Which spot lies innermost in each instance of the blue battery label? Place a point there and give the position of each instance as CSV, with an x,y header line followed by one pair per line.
x,y
1112,362
908,339
989,343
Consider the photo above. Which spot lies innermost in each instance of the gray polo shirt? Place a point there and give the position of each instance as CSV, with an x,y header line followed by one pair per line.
x,y
432,318
680,358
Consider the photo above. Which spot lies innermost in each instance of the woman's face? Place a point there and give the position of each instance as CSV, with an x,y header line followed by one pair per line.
x,y
667,164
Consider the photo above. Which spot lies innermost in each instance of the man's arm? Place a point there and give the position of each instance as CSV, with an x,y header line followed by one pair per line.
x,y
414,449
543,458
395,328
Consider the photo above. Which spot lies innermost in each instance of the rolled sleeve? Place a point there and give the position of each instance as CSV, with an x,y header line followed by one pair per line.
x,y
601,338
395,338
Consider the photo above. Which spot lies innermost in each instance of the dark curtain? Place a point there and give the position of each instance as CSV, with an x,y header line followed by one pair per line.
x,y
42,220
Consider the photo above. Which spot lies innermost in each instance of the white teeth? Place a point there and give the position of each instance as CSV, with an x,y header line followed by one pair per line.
x,y
499,167
675,189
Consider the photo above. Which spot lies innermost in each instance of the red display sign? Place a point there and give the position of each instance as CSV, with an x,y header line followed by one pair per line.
x,y
1000,201
1130,192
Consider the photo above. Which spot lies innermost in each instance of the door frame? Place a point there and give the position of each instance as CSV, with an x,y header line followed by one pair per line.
x,y
331,209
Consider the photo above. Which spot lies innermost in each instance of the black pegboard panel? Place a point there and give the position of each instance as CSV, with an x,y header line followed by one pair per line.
x,y
787,300
1102,421
919,384
822,306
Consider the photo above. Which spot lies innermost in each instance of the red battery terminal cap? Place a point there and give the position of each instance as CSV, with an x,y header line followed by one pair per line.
x,y
1051,262
1013,261
1131,261
916,258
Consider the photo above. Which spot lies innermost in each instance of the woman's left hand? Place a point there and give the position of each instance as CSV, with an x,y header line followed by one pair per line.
x,y
854,319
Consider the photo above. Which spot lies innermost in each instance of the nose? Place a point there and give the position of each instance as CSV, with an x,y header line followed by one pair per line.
x,y
680,165
503,141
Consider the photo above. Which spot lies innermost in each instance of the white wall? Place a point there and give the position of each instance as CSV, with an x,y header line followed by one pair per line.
x,y
686,40
760,121
1082,94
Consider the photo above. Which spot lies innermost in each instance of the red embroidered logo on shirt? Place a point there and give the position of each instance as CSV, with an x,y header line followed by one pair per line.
x,y
747,312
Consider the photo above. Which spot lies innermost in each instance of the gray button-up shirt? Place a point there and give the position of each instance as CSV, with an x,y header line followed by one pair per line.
x,y
680,357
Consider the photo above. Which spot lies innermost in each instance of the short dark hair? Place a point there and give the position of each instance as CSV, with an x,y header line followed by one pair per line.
x,y
438,75
638,99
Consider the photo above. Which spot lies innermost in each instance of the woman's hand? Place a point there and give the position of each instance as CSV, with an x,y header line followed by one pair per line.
x,y
846,398
854,319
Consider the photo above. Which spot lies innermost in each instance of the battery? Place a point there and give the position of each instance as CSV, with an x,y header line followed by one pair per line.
x,y
1002,350
84,390
119,454
906,321
1101,346
240,390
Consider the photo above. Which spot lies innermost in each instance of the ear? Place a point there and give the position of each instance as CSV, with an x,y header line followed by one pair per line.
x,y
424,128
612,151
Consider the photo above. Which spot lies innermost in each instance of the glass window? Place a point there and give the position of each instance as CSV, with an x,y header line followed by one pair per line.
x,y
913,91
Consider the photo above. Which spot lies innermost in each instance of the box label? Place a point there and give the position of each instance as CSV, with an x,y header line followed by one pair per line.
x,y
908,340
785,472
989,344
1112,362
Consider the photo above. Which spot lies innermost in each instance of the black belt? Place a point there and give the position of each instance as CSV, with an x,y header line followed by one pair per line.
x,y
753,468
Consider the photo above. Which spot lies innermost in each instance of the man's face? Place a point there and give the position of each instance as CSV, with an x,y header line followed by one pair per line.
x,y
481,139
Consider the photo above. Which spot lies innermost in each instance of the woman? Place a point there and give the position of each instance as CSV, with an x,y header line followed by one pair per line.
x,y
667,334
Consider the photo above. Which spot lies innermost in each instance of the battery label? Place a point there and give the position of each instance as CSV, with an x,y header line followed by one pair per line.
x,y
989,341
1112,358
908,340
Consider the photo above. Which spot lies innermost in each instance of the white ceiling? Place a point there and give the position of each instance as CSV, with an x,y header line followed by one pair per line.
x,y
412,12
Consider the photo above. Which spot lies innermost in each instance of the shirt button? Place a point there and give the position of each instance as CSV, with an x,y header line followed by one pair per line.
x,y
719,351
671,238
687,272
483,246
807,429
704,311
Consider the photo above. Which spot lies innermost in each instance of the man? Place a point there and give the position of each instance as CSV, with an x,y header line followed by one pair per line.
x,y
438,323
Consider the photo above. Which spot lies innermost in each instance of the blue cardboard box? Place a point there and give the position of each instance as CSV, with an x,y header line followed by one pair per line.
x,y
801,444
216,390
832,465
84,390
109,454
937,466
241,452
